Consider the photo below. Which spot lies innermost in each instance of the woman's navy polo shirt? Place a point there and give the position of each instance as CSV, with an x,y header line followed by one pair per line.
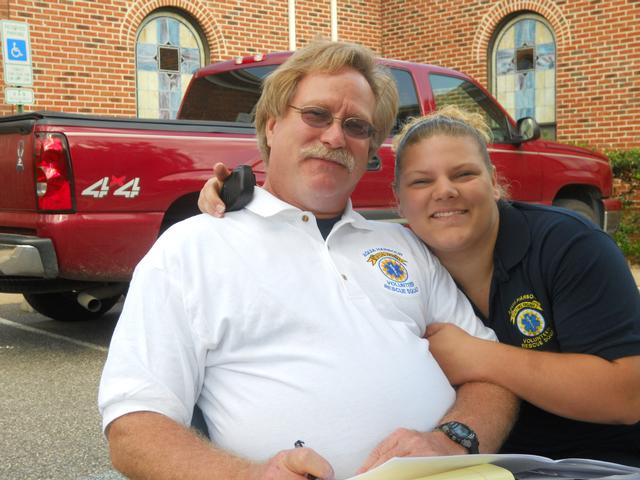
x,y
561,284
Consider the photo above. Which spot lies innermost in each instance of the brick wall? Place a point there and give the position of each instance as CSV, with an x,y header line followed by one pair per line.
x,y
598,55
83,50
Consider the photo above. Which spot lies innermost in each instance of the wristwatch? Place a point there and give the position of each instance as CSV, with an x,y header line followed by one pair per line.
x,y
460,433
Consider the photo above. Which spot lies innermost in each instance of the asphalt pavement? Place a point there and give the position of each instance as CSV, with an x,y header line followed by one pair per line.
x,y
49,374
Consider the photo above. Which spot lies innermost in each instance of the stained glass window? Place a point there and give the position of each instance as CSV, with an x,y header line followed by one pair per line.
x,y
524,70
168,51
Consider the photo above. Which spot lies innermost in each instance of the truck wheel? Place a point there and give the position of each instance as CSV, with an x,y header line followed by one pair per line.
x,y
64,306
580,207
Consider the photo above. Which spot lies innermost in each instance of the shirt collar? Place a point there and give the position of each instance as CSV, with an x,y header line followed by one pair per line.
x,y
265,204
513,239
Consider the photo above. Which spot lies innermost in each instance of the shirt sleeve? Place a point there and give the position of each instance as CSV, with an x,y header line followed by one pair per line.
x,y
153,362
595,301
447,304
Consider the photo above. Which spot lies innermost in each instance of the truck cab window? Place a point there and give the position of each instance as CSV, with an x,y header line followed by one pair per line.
x,y
449,90
229,96
409,106
232,96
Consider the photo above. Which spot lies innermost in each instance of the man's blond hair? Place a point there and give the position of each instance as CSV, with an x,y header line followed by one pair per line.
x,y
322,56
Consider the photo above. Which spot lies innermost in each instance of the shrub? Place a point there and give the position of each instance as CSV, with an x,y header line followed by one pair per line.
x,y
625,163
626,166
628,235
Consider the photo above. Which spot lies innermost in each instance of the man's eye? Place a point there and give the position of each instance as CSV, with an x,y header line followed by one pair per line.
x,y
319,114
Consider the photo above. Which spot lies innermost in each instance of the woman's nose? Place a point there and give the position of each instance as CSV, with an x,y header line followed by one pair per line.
x,y
444,188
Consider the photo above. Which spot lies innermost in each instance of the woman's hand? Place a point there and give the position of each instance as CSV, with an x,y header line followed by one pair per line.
x,y
209,200
459,354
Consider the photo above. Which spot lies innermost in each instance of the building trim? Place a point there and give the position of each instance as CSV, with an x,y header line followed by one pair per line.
x,y
139,9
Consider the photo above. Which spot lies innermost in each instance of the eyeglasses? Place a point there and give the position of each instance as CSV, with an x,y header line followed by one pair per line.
x,y
320,117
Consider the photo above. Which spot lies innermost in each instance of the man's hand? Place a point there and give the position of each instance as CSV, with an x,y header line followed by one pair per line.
x,y
209,199
410,443
151,445
459,354
293,464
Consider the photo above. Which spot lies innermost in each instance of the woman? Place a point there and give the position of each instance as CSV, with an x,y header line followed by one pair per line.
x,y
554,287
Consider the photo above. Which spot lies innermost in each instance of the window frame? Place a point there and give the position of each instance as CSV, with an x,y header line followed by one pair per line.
x,y
182,17
501,30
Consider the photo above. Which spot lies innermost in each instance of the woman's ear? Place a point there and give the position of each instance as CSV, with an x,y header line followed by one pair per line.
x,y
394,189
497,189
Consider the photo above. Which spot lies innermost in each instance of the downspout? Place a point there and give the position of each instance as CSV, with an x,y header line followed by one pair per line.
x,y
334,20
292,25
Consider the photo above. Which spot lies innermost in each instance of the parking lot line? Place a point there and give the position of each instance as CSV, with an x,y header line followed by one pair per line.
x,y
93,346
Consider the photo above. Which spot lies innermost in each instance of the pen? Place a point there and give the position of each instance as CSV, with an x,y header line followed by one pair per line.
x,y
300,444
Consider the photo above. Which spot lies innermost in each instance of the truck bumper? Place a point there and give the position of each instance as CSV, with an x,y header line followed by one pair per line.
x,y
26,256
612,214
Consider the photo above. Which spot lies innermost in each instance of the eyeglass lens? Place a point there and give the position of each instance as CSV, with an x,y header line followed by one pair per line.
x,y
319,117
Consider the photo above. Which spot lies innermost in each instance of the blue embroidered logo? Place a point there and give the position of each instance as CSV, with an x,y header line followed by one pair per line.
x,y
527,315
530,322
393,267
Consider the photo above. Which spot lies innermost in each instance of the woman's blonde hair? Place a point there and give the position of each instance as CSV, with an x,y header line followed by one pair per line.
x,y
449,120
323,56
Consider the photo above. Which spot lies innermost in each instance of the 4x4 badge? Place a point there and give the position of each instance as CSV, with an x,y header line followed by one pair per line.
x,y
20,153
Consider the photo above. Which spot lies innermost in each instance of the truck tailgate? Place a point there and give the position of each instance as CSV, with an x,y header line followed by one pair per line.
x,y
17,190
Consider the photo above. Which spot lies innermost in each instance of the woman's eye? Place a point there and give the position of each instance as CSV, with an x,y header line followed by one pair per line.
x,y
420,181
464,174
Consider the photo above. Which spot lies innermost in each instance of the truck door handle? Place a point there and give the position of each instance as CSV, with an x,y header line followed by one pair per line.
x,y
374,163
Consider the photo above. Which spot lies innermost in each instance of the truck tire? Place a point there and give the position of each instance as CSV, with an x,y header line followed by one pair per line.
x,y
580,207
64,306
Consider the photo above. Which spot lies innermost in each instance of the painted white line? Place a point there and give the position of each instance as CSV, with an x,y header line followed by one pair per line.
x,y
93,346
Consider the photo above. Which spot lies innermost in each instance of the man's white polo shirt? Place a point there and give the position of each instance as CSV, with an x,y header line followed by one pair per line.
x,y
281,336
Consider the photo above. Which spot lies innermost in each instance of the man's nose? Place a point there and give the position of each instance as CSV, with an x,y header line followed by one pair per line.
x,y
333,135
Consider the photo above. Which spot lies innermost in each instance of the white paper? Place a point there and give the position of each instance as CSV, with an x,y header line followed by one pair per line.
x,y
409,468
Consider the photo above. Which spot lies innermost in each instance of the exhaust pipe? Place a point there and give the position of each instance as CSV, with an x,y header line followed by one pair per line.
x,y
89,302
92,299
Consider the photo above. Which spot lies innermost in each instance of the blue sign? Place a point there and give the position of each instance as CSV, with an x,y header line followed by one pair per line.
x,y
16,49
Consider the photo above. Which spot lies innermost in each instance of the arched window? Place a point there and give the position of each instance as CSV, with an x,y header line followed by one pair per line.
x,y
168,50
523,69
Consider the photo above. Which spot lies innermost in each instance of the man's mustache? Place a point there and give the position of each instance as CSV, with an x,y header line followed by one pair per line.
x,y
337,155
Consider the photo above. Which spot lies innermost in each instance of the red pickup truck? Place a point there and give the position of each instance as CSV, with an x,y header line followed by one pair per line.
x,y
83,198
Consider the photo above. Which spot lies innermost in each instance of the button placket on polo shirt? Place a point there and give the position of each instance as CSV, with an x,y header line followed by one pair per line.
x,y
353,290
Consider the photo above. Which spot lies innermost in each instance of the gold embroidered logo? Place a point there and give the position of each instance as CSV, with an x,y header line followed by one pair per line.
x,y
526,313
393,267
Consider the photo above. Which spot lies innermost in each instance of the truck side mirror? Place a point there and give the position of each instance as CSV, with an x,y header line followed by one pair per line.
x,y
528,129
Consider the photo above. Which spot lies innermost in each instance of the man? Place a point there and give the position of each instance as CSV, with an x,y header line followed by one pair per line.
x,y
294,319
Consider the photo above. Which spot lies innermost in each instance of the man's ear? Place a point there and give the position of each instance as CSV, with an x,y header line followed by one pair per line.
x,y
269,130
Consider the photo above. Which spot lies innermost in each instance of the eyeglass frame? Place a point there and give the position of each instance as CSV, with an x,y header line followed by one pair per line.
x,y
371,130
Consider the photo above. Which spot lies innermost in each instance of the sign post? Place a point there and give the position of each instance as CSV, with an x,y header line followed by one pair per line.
x,y
16,55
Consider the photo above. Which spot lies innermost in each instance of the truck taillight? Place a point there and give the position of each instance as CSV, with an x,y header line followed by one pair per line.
x,y
53,175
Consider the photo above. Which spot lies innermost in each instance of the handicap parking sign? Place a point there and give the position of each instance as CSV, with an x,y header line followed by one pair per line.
x,y
16,54
17,49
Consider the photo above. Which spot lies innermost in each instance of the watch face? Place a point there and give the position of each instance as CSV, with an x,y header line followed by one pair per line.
x,y
460,430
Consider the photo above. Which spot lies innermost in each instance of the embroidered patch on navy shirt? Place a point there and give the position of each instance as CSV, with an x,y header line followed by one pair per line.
x,y
526,313
393,268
